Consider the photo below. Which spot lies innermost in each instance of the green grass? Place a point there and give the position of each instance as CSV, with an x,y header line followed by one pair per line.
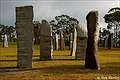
x,y
59,69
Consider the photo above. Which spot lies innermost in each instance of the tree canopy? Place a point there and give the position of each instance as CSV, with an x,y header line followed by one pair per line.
x,y
64,23
113,15
113,20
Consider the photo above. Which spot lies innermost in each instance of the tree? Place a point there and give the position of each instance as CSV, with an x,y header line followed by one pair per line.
x,y
3,32
10,32
113,20
63,25
1,27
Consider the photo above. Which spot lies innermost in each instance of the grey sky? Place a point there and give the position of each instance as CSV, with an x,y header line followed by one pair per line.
x,y
48,9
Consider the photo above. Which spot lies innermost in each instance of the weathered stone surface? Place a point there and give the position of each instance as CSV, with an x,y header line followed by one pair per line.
x,y
5,44
61,41
74,43
81,43
24,29
71,41
92,42
46,47
108,41
55,41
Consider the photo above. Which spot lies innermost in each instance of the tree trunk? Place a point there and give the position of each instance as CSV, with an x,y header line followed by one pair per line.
x,y
92,42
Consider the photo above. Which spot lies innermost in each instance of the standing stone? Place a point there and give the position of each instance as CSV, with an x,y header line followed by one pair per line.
x,y
62,43
110,41
92,42
81,43
71,41
5,41
106,41
73,50
46,47
56,42
24,29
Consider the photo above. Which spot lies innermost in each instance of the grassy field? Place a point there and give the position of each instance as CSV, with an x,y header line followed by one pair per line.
x,y
62,67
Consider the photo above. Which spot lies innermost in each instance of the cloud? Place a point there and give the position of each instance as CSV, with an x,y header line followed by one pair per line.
x,y
48,9
44,10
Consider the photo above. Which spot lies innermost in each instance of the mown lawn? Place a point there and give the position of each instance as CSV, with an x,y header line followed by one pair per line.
x,y
62,67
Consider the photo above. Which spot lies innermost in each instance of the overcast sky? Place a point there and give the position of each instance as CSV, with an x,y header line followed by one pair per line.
x,y
48,9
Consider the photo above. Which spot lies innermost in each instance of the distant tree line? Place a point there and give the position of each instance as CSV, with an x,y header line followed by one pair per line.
x,y
9,31
64,25
112,31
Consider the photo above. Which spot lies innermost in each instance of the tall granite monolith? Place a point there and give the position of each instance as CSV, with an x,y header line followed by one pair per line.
x,y
71,41
46,46
24,29
61,41
74,43
92,42
81,43
56,42
5,40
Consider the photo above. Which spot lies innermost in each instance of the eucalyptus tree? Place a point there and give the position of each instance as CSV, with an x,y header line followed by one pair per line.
x,y
3,32
63,25
1,26
7,31
113,20
10,32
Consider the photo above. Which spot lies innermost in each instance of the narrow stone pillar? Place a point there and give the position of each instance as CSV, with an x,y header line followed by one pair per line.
x,y
53,41
24,29
62,43
46,46
110,41
5,41
74,44
71,41
92,42
81,43
56,42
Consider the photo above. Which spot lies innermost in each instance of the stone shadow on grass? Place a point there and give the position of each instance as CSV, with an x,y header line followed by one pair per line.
x,y
106,68
66,69
110,68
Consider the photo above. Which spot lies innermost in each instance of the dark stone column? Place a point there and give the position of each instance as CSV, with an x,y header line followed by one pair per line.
x,y
46,46
92,42
24,29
